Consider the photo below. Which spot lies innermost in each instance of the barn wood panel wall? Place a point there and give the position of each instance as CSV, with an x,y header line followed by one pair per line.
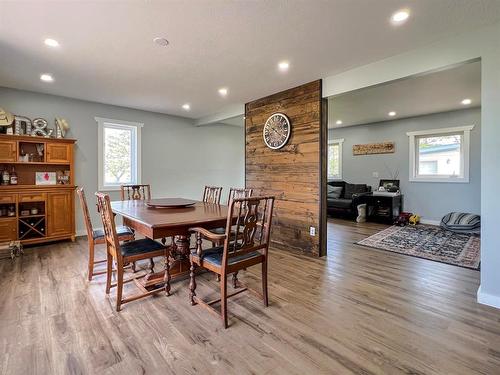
x,y
293,173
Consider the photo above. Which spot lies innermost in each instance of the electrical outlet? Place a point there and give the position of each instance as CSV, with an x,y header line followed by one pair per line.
x,y
312,231
375,174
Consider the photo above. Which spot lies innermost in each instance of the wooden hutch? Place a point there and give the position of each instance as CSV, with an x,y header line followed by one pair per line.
x,y
30,212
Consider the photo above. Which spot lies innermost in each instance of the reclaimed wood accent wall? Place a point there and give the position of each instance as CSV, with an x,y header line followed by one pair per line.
x,y
292,173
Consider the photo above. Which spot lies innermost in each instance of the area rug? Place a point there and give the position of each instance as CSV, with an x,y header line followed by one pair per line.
x,y
429,242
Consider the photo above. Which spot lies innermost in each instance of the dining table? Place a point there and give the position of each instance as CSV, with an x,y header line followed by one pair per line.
x,y
174,221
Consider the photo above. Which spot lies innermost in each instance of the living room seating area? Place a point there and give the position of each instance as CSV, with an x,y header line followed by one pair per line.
x,y
343,198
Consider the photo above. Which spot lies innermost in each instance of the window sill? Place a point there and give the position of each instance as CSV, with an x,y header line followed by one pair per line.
x,y
109,188
452,180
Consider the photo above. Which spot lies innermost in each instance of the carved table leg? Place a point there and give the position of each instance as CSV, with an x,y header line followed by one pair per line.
x,y
178,265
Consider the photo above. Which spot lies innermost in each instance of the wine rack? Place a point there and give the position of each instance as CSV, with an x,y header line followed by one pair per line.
x,y
31,227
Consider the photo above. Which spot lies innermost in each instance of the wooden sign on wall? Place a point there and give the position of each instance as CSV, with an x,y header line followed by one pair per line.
x,y
374,148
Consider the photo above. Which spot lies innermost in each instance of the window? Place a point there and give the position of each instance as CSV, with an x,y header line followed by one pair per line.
x,y
335,159
440,155
119,150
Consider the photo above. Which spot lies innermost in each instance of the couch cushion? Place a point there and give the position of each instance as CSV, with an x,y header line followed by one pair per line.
x,y
351,189
340,203
120,231
334,191
145,245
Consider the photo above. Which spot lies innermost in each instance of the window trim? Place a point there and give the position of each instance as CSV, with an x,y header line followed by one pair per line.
x,y
338,141
101,122
435,132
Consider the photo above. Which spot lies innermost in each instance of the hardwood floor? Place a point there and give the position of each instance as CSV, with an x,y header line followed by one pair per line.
x,y
359,311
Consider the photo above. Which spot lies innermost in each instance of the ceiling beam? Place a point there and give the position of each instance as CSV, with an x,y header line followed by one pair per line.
x,y
226,113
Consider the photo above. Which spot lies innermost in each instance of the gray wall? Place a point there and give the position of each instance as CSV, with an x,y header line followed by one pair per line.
x,y
431,200
178,159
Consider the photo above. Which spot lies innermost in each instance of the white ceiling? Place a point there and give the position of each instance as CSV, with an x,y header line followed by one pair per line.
x,y
107,54
431,93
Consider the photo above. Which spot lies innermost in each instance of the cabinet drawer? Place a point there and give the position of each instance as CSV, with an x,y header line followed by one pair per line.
x,y
32,197
8,198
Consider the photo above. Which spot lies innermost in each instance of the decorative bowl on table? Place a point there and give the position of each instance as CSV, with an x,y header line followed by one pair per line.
x,y
170,203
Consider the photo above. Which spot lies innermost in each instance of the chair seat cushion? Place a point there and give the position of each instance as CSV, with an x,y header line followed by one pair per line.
x,y
142,246
218,230
120,231
214,256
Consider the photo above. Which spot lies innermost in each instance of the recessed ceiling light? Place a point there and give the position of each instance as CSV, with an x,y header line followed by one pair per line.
x,y
339,122
186,107
283,66
223,91
161,41
400,16
392,113
46,78
466,101
51,42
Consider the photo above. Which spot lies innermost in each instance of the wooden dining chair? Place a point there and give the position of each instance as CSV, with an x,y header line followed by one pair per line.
x,y
212,194
96,237
135,192
233,193
238,193
128,252
246,243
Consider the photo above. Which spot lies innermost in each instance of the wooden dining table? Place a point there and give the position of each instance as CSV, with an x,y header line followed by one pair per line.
x,y
164,223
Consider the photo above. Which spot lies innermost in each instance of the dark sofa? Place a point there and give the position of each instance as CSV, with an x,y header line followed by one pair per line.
x,y
344,199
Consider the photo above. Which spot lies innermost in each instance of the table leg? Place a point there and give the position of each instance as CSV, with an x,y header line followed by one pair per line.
x,y
179,265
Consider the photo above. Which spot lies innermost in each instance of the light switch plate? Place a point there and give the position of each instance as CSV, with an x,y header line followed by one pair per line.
x,y
312,231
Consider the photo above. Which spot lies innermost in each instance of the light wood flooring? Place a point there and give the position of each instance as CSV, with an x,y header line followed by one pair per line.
x,y
359,311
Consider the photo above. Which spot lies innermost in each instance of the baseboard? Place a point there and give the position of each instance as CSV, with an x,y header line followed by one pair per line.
x,y
488,299
430,222
81,233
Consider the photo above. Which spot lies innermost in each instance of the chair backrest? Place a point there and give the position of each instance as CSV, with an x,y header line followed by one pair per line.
x,y
238,193
248,226
108,223
135,192
86,214
211,194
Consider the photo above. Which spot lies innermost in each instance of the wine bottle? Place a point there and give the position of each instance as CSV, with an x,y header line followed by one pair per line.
x,y
13,177
5,177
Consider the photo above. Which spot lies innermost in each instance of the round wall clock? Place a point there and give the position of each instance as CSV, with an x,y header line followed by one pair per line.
x,y
276,131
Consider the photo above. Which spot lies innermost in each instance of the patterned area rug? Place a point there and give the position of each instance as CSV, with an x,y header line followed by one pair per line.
x,y
429,242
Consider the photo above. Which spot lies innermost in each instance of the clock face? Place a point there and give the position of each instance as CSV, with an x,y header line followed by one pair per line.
x,y
276,131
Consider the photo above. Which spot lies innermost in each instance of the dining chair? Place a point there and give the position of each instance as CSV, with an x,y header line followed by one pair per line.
x,y
238,193
135,192
96,236
233,193
245,244
212,194
128,252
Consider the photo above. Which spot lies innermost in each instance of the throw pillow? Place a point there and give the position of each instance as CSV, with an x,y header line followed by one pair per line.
x,y
334,191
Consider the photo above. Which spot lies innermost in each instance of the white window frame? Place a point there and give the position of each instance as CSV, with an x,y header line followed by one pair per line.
x,y
465,154
136,145
338,141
